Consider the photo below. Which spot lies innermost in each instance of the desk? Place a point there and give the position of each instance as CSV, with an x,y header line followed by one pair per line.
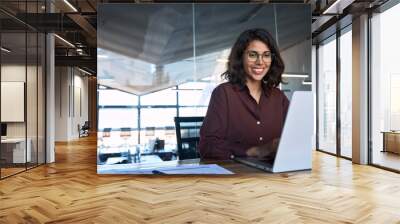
x,y
104,153
13,150
145,168
391,141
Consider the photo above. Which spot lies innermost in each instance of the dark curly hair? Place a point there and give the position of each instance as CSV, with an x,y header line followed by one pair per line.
x,y
235,73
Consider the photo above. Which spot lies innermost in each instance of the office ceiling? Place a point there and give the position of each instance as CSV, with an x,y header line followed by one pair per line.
x,y
166,34
76,27
152,47
80,28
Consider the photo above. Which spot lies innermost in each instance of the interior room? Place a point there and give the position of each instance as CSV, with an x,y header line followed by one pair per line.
x,y
85,89
177,70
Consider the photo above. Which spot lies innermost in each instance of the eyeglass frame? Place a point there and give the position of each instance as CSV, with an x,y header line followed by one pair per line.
x,y
259,55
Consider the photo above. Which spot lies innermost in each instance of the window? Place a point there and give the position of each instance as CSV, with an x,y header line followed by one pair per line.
x,y
385,87
112,97
162,97
117,118
346,93
327,96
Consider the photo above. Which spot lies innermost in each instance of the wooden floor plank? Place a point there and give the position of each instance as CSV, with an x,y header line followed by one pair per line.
x,y
70,191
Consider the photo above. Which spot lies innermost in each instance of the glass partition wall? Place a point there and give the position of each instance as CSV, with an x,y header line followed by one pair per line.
x,y
22,94
385,89
327,95
334,89
345,92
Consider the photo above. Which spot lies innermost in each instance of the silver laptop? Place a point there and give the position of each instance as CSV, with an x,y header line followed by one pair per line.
x,y
295,147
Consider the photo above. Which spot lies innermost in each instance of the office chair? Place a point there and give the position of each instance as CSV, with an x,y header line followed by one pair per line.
x,y
106,132
84,130
188,136
125,133
102,144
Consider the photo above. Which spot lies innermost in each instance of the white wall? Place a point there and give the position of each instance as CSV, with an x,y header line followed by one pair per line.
x,y
12,73
32,127
71,102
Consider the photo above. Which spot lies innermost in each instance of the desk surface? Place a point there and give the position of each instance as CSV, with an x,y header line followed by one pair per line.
x,y
230,165
13,140
390,132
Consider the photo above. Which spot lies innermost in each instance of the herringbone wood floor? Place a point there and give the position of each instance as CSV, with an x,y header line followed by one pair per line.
x,y
70,191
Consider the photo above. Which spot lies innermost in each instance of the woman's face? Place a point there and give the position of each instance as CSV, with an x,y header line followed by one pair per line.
x,y
257,60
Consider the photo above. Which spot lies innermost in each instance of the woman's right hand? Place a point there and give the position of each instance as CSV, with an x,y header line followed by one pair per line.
x,y
263,150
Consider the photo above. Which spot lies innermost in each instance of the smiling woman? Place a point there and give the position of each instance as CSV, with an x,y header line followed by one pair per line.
x,y
245,116
171,57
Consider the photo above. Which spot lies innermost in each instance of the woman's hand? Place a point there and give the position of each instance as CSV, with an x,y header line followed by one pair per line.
x,y
263,150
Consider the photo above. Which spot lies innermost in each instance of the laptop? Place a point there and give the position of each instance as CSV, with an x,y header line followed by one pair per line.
x,y
294,152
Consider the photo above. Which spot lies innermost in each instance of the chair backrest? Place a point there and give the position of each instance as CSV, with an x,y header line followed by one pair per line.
x,y
125,132
86,125
188,136
106,132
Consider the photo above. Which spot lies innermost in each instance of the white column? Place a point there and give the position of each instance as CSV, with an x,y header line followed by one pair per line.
x,y
360,90
50,92
50,100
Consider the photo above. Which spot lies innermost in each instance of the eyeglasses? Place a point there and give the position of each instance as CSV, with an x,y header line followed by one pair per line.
x,y
266,57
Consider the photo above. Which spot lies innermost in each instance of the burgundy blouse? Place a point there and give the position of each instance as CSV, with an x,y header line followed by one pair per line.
x,y
235,122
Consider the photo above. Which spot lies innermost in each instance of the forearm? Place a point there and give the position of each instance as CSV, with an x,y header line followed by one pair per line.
x,y
214,148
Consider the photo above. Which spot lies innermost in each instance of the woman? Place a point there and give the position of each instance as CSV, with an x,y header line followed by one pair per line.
x,y
245,115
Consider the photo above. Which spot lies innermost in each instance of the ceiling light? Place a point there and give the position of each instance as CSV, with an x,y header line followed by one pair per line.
x,y
65,41
102,56
222,60
84,71
5,50
307,83
209,78
294,76
337,7
70,5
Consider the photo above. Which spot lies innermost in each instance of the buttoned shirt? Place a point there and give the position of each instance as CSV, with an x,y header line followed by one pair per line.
x,y
235,121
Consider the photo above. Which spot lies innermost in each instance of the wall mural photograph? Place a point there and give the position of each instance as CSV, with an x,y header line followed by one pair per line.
x,y
183,87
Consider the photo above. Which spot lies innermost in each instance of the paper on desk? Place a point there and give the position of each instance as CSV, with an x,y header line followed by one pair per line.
x,y
198,169
178,169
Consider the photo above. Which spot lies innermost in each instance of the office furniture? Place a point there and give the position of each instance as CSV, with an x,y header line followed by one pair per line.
x,y
167,153
391,141
159,144
13,150
188,136
110,153
150,131
106,132
84,130
153,166
3,130
122,153
125,132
